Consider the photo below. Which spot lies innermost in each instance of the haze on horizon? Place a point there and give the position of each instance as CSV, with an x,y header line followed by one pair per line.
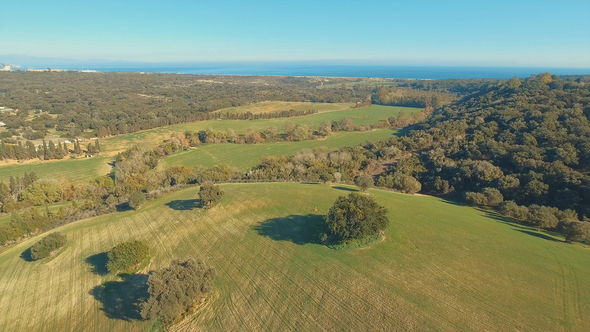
x,y
465,33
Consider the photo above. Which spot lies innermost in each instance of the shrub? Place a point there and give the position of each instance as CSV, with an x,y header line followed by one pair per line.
x,y
476,198
174,290
543,216
364,181
513,210
136,200
493,196
405,183
355,217
47,245
210,193
126,255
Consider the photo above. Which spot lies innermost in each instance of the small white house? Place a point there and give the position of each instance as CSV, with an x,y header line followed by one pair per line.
x,y
67,142
2,124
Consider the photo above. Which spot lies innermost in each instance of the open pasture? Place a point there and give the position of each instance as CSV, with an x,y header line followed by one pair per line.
x,y
244,156
360,116
79,169
277,106
441,267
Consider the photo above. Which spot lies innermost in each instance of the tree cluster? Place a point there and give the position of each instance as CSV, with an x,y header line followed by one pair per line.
x,y
126,255
47,245
176,289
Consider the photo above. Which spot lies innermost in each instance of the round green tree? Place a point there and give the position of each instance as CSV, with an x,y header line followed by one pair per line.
x,y
355,217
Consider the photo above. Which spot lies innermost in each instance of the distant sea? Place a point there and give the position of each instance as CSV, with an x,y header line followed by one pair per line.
x,y
331,70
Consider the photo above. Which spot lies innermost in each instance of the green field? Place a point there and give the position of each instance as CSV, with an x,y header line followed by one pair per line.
x,y
441,267
71,169
275,106
242,156
248,155
52,207
361,116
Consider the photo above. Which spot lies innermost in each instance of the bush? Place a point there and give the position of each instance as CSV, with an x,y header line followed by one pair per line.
x,y
47,245
543,216
174,290
493,196
364,181
355,217
210,193
136,200
126,255
513,210
405,183
476,198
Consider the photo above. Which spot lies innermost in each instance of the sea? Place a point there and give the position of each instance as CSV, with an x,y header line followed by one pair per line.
x,y
333,70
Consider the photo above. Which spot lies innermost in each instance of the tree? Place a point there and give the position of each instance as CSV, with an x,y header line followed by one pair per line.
x,y
542,216
47,245
574,230
355,217
174,290
42,192
493,196
126,255
405,183
325,128
136,200
364,181
210,193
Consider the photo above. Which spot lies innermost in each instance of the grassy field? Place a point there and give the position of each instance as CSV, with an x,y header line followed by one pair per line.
x,y
361,116
242,156
441,267
246,156
275,106
52,207
71,169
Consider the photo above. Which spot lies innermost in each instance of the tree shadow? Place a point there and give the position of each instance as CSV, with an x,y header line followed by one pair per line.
x,y
26,255
122,299
297,229
98,263
345,188
184,205
539,235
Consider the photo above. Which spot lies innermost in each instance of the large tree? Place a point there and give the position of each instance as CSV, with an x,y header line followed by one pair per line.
x,y
355,217
210,193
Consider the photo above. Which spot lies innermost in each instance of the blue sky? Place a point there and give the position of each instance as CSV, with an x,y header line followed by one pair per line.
x,y
492,33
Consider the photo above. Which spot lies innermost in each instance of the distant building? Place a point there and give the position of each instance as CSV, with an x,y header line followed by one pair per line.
x,y
67,142
2,124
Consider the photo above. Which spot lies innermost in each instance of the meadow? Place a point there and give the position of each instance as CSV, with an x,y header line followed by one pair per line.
x,y
441,267
277,106
242,156
360,116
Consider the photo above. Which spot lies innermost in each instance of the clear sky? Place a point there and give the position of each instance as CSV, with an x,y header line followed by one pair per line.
x,y
418,32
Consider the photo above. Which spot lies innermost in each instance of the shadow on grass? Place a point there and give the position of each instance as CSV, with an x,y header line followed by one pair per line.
x,y
122,299
184,205
539,235
26,255
98,263
345,188
297,229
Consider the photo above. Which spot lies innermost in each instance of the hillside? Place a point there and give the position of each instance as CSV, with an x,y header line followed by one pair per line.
x,y
441,267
